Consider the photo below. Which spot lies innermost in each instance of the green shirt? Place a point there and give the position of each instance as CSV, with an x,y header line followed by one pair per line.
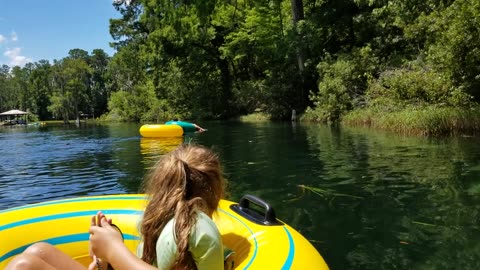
x,y
187,126
205,244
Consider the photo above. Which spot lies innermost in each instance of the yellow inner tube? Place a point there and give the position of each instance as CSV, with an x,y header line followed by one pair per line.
x,y
65,224
151,131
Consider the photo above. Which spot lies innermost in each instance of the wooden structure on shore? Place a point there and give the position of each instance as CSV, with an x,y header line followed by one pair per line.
x,y
8,118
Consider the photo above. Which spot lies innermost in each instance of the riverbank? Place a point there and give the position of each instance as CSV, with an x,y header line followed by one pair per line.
x,y
429,121
425,121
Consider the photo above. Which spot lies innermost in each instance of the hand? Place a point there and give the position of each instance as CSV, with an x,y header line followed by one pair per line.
x,y
93,264
104,239
97,264
95,221
199,128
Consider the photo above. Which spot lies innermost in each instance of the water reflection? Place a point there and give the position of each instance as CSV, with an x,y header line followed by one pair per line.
x,y
416,212
153,148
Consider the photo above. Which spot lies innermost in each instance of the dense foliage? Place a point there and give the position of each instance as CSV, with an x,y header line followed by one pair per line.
x,y
221,59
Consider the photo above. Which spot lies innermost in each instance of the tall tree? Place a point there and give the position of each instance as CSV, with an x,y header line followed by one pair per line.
x,y
21,87
71,77
78,54
99,93
42,85
297,16
6,92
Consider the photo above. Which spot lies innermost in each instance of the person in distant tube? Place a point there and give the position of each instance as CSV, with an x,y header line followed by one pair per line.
x,y
182,123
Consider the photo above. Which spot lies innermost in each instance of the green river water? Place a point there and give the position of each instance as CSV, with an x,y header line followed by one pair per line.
x,y
365,199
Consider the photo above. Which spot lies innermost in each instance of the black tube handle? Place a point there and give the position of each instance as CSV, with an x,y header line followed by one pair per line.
x,y
267,217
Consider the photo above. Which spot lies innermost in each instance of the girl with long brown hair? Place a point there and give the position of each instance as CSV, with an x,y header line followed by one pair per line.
x,y
185,188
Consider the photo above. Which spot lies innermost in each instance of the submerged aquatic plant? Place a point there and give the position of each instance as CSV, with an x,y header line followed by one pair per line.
x,y
326,193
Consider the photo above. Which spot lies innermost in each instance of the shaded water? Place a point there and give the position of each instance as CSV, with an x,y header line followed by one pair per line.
x,y
369,200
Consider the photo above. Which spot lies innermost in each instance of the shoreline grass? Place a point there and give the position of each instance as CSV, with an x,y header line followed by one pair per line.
x,y
255,117
424,121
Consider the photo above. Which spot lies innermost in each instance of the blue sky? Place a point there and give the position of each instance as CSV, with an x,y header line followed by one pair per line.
x,y
32,30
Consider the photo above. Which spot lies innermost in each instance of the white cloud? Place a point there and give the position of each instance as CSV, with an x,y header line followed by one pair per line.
x,y
15,58
2,39
127,2
14,36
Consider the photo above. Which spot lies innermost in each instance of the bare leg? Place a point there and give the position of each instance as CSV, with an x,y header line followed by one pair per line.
x,y
44,256
26,262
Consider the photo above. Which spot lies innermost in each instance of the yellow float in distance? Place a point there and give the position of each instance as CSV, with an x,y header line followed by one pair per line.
x,y
160,130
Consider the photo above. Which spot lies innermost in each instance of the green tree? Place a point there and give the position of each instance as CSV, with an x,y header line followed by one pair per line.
x,y
79,54
40,81
21,87
71,77
99,93
452,44
7,96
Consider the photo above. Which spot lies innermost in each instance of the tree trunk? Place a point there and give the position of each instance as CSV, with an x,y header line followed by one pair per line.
x,y
298,15
226,85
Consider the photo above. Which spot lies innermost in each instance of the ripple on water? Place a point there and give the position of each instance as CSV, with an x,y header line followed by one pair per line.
x,y
36,166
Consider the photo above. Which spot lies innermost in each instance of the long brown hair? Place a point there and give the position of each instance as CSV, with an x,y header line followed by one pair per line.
x,y
182,182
